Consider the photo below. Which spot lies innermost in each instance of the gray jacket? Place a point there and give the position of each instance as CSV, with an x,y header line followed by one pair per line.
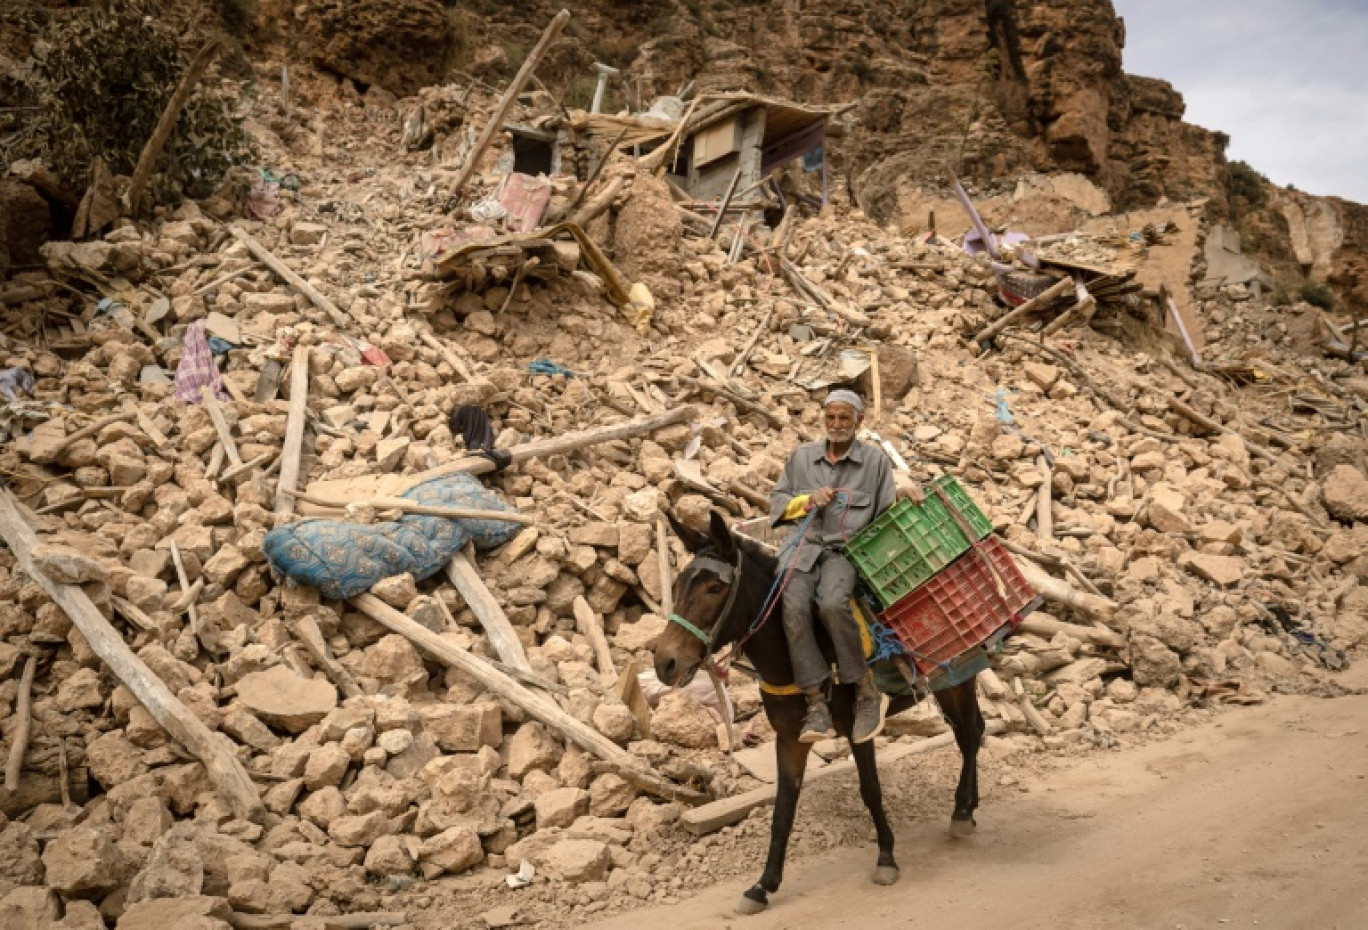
x,y
864,472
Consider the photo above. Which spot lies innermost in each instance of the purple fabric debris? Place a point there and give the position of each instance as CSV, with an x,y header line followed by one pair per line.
x,y
197,368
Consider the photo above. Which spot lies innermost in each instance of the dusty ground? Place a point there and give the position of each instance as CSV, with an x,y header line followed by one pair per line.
x,y
1253,818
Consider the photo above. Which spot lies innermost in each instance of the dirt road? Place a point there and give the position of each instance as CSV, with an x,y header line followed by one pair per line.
x,y
1257,818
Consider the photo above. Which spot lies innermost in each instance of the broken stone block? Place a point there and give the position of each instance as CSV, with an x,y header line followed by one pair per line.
x,y
326,766
532,747
1042,376
602,535
1345,491
20,863
307,233
82,863
576,861
392,855
283,699
359,830
1222,570
561,807
175,868
464,728
389,453
610,795
65,565
615,720
1166,509
396,591
684,722
452,851
113,760
199,912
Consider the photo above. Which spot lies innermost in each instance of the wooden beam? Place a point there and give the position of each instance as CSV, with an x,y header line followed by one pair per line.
x,y
1051,293
53,452
290,276
566,442
294,432
221,763
23,723
151,151
534,705
496,119
727,811
481,602
305,629
221,427
590,625
451,357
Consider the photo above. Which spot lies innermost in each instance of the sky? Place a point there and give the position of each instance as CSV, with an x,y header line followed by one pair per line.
x,y
1283,78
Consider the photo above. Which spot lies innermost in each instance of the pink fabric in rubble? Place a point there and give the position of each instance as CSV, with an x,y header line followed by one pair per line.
x,y
197,368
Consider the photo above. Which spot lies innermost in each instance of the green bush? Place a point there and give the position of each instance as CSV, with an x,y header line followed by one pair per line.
x,y
1317,295
102,77
1247,183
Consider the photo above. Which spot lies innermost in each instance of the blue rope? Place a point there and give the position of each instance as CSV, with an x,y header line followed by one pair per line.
x,y
886,643
544,366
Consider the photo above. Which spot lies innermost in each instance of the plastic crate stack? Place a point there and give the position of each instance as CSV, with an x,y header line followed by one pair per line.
x,y
945,582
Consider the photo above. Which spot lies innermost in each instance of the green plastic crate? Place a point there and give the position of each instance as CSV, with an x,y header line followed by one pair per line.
x,y
909,543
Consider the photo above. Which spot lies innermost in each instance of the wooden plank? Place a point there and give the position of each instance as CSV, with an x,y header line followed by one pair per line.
x,y
711,817
23,723
496,119
294,431
221,427
290,276
590,625
481,602
534,705
221,763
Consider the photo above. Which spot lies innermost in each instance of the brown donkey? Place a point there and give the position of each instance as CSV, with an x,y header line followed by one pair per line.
x,y
718,597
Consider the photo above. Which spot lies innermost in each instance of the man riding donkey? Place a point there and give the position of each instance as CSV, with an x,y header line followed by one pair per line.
x,y
848,483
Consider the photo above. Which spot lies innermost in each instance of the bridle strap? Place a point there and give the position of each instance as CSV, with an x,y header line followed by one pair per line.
x,y
728,574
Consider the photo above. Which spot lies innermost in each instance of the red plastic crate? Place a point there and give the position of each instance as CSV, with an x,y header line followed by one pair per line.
x,y
961,606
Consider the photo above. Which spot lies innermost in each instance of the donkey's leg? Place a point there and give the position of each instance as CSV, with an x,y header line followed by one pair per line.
x,y
791,756
961,708
871,792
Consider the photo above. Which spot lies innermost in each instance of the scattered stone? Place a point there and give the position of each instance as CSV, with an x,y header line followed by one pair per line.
x,y
283,699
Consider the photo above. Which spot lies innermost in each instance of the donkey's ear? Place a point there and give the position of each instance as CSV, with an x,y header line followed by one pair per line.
x,y
693,540
721,534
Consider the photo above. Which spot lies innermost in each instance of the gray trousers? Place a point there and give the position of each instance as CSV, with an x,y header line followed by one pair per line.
x,y
832,580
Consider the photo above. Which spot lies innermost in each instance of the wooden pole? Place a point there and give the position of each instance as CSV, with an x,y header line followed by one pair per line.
x,y
726,202
1044,510
662,534
221,763
567,442
220,425
496,119
305,629
294,432
1061,592
534,705
408,506
760,330
451,357
290,276
51,454
23,722
590,625
482,603
147,159
1035,303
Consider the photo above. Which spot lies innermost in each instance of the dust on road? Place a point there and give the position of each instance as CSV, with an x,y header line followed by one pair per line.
x,y
1256,818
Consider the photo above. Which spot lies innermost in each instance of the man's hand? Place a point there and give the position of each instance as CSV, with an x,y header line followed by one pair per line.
x,y
908,487
822,496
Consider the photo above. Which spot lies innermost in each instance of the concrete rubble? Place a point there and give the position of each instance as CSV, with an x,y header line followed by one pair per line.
x,y
385,774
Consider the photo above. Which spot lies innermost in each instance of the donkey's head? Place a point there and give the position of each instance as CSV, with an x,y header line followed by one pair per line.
x,y
705,591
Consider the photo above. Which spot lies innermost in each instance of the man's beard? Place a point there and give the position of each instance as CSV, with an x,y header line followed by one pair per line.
x,y
840,435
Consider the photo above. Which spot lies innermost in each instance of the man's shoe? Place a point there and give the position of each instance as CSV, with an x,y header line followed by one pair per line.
x,y
817,726
869,715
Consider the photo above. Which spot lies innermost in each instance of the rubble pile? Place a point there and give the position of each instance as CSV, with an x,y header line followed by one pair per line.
x,y
1189,563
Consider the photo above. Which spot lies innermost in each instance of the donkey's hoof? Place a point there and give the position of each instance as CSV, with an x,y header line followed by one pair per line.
x,y
747,906
886,874
959,829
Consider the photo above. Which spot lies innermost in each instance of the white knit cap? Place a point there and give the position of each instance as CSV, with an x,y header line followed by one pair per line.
x,y
842,396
